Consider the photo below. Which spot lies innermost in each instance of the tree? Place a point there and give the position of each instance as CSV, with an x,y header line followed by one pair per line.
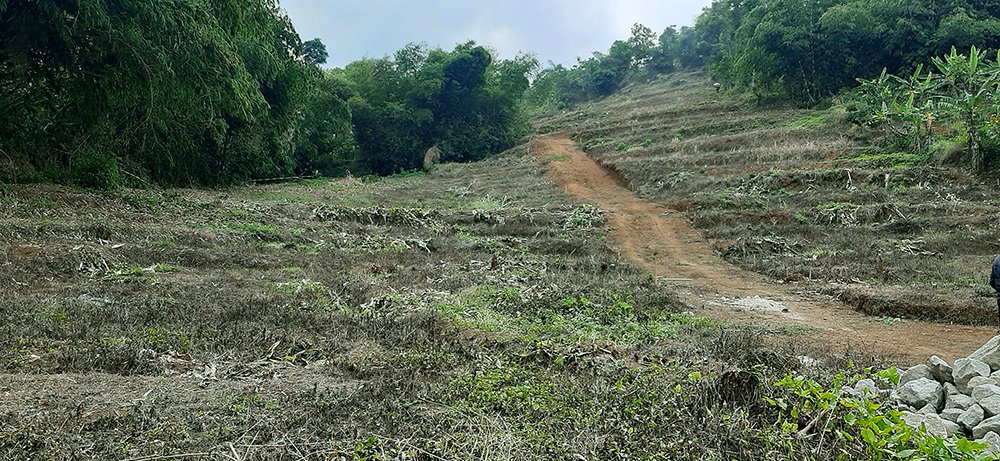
x,y
325,141
965,92
314,51
961,93
464,101
176,91
664,56
642,45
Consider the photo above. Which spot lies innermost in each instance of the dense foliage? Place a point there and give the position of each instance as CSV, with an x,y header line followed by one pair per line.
x,y
810,50
196,92
600,75
782,49
176,91
926,109
464,102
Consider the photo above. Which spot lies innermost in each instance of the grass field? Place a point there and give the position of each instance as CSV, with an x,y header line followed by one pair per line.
x,y
472,313
804,196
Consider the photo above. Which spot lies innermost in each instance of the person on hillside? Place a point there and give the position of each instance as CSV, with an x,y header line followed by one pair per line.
x,y
995,283
717,86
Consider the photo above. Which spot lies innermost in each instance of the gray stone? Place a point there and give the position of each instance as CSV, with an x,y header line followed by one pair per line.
x,y
960,401
988,425
914,373
971,417
992,439
929,409
952,414
849,391
867,387
951,428
954,429
980,393
980,381
950,389
991,405
941,370
939,426
966,369
921,392
989,353
911,419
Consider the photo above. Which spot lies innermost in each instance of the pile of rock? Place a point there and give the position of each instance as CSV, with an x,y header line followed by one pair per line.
x,y
963,399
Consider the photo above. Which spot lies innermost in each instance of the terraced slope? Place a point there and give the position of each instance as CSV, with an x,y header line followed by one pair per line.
x,y
661,241
803,197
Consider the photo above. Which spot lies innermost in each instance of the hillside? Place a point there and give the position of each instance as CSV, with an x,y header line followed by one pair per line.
x,y
475,312
802,196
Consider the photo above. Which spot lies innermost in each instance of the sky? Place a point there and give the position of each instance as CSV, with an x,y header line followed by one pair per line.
x,y
553,30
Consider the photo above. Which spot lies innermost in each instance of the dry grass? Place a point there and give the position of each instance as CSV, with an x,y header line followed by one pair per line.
x,y
474,313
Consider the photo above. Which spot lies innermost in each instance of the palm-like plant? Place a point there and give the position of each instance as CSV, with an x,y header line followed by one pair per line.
x,y
964,91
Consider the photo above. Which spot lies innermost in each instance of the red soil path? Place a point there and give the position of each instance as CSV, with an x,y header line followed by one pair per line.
x,y
662,241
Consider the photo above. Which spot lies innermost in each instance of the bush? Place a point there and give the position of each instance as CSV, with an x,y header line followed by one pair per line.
x,y
96,169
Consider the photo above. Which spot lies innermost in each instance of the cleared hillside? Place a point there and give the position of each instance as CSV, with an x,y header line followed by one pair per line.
x,y
473,313
803,196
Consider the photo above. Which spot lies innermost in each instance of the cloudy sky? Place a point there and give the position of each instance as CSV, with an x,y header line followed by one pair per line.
x,y
554,30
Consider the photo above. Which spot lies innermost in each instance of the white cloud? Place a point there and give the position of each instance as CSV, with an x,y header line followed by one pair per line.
x,y
556,30
502,38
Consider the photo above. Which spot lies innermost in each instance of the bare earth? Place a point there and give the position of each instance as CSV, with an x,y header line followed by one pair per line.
x,y
662,241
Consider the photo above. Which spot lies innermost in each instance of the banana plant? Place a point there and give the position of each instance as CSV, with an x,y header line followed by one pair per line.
x,y
902,105
965,92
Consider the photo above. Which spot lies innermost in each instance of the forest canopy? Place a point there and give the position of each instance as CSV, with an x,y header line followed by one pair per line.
x,y
196,92
173,91
802,51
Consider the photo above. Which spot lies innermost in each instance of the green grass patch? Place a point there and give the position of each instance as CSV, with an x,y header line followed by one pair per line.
x,y
815,120
543,317
891,160
260,230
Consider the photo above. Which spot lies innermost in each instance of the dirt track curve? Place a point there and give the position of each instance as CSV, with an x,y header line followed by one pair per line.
x,y
662,241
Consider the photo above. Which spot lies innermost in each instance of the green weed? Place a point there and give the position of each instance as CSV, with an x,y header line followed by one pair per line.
x,y
891,160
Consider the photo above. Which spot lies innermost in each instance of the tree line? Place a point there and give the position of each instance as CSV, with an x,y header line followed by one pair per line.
x,y
210,92
197,92
809,50
806,52
793,50
643,54
172,91
465,102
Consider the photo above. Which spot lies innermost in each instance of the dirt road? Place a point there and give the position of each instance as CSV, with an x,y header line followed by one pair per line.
x,y
662,241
